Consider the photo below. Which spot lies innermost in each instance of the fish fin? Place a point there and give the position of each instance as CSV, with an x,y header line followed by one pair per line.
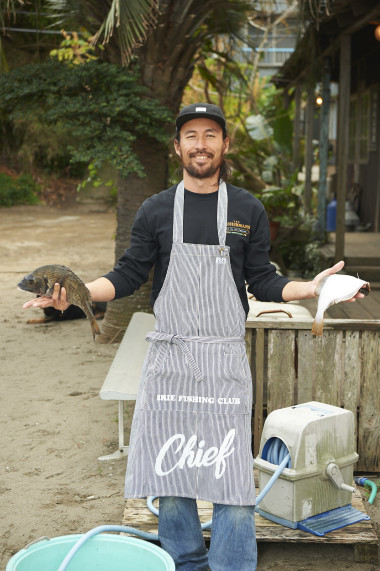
x,y
317,328
320,285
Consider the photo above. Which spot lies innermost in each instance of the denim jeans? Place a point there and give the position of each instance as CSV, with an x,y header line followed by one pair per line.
x,y
233,537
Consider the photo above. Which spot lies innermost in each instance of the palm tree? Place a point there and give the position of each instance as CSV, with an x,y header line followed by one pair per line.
x,y
166,62
171,34
163,38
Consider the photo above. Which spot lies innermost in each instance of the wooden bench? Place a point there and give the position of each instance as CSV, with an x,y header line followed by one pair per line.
x,y
289,366
123,378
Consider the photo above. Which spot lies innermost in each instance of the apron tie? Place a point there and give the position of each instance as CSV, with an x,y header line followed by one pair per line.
x,y
179,340
153,336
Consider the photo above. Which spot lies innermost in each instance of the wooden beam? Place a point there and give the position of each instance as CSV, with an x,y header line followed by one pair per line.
x,y
376,227
360,22
345,19
334,45
342,141
359,7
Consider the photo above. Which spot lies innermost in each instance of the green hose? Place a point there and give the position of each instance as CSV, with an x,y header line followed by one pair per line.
x,y
372,485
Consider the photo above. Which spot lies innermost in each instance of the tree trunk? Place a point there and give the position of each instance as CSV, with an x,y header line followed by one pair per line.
x,y
132,191
166,63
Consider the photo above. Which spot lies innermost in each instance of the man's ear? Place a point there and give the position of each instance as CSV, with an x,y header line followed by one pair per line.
x,y
177,147
226,145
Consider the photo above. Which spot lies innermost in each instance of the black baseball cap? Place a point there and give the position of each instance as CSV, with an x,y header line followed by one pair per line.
x,y
196,110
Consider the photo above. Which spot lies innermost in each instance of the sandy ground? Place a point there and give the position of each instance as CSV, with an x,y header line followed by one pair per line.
x,y
53,424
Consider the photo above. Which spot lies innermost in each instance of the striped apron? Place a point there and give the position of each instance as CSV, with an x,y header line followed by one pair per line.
x,y
191,431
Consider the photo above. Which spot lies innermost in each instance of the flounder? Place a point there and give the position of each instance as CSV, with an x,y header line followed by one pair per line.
x,y
333,289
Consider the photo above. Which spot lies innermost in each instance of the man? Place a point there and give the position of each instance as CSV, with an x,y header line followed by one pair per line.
x,y
190,436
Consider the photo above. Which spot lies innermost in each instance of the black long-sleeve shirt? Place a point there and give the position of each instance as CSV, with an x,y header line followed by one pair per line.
x,y
248,237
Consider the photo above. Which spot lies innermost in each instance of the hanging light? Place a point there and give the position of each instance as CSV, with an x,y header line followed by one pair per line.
x,y
319,100
377,32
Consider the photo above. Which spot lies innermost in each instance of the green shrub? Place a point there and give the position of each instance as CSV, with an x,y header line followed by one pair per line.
x,y
18,190
100,107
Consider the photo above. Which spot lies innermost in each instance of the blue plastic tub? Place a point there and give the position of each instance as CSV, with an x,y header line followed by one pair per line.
x,y
102,552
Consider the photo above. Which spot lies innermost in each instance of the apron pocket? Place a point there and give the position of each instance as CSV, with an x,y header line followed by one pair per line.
x,y
234,360
158,356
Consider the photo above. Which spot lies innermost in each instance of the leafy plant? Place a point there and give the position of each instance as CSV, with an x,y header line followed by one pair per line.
x,y
299,250
18,190
282,204
101,105
36,145
75,49
279,202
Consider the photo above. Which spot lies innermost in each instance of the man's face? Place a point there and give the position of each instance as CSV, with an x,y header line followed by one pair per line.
x,y
201,147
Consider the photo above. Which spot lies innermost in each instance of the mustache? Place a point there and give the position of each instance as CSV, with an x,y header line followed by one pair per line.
x,y
197,153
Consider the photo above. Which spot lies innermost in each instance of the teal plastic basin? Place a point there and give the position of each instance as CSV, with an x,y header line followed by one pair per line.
x,y
106,552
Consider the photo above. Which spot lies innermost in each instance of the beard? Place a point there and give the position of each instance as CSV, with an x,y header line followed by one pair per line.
x,y
195,172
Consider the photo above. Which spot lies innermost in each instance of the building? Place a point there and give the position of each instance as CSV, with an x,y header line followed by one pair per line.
x,y
274,28
341,45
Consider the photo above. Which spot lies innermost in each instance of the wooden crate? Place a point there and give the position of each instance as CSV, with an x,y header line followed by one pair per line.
x,y
360,535
341,368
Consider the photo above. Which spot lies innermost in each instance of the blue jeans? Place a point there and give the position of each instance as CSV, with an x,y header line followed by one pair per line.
x,y
233,537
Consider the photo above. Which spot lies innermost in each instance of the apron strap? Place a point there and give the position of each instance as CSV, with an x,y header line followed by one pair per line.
x,y
179,202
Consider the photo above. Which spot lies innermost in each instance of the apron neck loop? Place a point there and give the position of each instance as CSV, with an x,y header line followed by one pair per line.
x,y
179,202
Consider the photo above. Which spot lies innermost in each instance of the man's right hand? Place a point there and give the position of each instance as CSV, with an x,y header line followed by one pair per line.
x,y
57,300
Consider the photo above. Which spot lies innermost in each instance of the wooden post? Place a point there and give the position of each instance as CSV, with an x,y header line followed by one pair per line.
x,y
376,227
324,147
343,142
297,128
309,147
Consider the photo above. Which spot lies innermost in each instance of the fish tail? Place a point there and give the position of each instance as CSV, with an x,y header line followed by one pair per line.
x,y
94,327
317,328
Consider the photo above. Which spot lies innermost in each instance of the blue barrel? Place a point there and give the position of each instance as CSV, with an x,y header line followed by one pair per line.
x,y
331,216
106,551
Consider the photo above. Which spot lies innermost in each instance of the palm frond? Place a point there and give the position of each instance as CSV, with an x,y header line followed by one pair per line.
x,y
132,19
8,9
64,12
129,21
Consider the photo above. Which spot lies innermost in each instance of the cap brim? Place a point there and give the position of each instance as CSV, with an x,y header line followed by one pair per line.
x,y
189,116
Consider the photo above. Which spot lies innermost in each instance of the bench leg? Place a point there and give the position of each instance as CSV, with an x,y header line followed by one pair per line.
x,y
122,451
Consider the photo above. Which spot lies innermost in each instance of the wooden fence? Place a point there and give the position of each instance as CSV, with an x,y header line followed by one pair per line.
x,y
341,368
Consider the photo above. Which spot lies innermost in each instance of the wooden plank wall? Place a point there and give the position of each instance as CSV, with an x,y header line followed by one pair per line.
x,y
341,368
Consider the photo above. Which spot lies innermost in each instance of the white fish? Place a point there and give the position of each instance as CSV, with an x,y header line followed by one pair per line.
x,y
333,289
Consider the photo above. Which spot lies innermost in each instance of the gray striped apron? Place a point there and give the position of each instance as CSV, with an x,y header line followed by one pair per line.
x,y
191,431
